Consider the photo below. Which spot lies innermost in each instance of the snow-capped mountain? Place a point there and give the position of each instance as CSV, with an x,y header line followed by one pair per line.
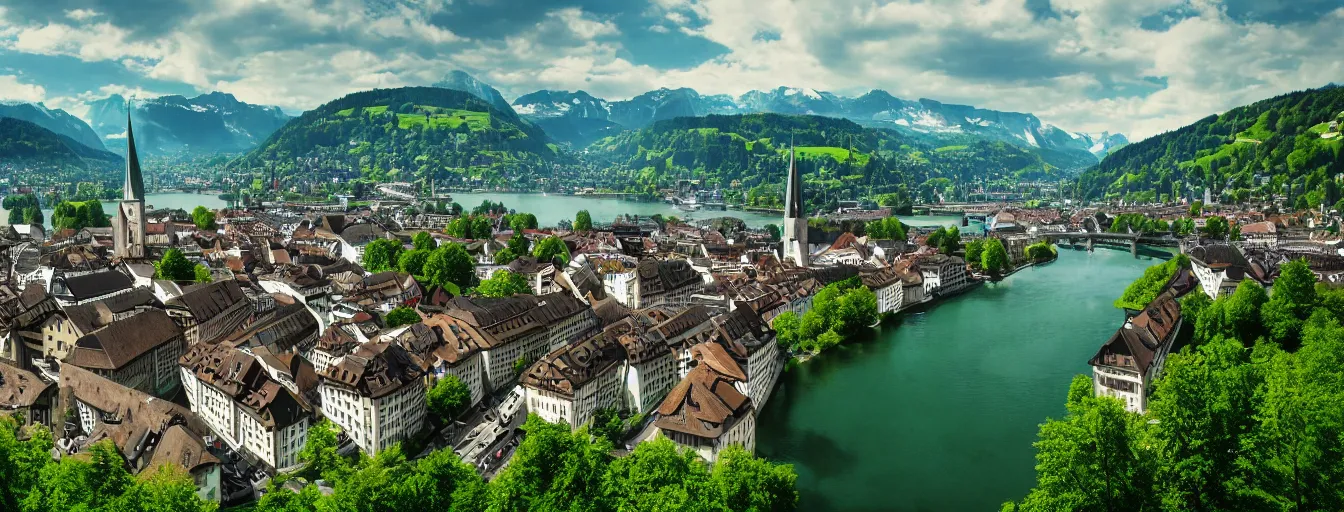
x,y
460,80
876,108
210,123
56,120
574,117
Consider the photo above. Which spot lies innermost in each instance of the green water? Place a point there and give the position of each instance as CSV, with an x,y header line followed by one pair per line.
x,y
551,209
938,412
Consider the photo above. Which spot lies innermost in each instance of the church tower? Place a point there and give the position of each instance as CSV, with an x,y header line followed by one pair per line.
x,y
795,220
128,227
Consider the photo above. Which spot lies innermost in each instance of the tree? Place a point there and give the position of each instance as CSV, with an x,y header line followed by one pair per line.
x,y
829,339
658,476
550,248
503,283
1196,208
448,398
749,483
994,258
935,239
204,218
450,263
889,228
505,256
381,255
857,310
401,316
482,228
773,231
423,241
1146,288
950,242
607,424
319,454
974,250
786,326
519,244
1215,227
201,274
1294,297
583,221
413,261
174,267
1092,459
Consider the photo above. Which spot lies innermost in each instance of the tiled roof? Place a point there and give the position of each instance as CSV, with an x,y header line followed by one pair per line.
x,y
121,342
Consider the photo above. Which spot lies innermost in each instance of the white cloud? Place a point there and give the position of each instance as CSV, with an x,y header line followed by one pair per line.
x,y
81,14
11,89
1093,67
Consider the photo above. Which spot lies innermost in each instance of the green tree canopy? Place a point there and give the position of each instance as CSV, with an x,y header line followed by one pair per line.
x,y
994,257
583,221
204,218
381,255
423,241
503,283
401,316
450,263
448,398
174,266
550,248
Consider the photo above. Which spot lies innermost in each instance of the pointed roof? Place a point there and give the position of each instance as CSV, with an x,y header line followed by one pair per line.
x,y
793,198
134,188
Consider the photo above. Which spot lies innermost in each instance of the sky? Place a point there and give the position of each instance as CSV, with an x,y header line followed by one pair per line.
x,y
1138,67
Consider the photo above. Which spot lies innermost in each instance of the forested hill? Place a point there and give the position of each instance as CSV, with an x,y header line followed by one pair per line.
x,y
1247,152
24,141
406,134
840,159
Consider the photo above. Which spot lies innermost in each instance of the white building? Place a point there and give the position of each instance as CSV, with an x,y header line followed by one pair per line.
x,y
249,404
571,383
1220,268
741,335
655,283
706,412
522,328
886,283
376,394
1127,363
943,274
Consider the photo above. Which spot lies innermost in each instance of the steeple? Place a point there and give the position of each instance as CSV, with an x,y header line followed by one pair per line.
x,y
793,198
134,188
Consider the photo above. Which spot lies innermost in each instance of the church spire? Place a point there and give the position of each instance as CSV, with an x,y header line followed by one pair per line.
x,y
793,198
134,188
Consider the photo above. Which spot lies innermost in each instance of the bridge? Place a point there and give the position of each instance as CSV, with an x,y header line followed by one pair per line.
x,y
1120,239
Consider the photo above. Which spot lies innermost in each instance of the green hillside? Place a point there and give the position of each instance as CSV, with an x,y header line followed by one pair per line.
x,y
748,155
28,143
407,134
1275,146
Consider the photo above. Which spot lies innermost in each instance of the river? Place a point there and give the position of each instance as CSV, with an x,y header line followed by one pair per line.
x,y
937,411
182,200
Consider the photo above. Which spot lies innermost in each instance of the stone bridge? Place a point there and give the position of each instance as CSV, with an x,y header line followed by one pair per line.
x,y
1120,239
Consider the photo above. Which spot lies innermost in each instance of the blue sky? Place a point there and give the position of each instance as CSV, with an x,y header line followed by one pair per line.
x,y
1134,66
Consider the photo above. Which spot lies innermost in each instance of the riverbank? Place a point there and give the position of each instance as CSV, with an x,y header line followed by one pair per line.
x,y
904,417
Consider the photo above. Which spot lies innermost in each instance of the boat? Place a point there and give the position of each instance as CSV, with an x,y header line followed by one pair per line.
x,y
689,204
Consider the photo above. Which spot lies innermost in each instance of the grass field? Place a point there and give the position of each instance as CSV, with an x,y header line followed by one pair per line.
x,y
945,149
442,117
839,154
1258,131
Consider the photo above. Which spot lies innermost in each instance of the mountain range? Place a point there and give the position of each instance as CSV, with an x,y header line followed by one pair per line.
x,y
211,123
580,118
56,120
23,140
